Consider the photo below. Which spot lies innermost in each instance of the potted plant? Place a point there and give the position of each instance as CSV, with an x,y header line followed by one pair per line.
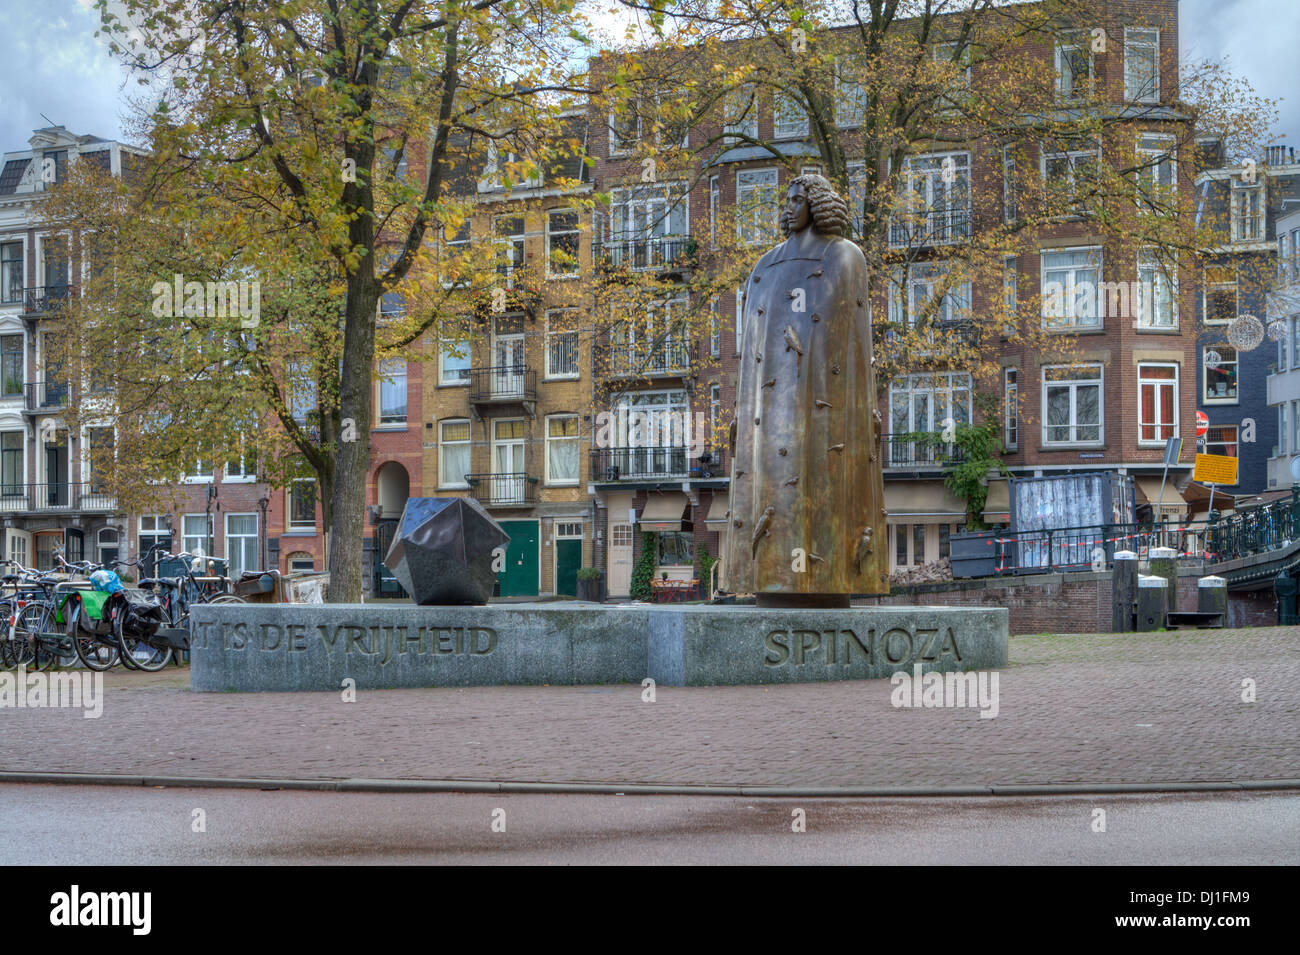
x,y
591,585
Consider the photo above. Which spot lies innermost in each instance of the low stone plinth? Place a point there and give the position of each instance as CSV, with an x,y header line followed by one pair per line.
x,y
386,646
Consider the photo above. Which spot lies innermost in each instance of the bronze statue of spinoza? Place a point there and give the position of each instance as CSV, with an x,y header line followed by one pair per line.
x,y
807,496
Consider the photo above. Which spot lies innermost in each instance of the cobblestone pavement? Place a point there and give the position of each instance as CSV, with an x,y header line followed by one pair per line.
x,y
1091,709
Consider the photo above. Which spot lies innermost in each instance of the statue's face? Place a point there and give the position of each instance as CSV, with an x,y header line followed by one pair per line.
x,y
797,210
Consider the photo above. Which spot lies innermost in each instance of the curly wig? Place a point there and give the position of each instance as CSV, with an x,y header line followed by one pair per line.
x,y
830,213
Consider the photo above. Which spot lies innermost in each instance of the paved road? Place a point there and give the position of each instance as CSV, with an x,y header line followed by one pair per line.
x,y
1148,708
94,825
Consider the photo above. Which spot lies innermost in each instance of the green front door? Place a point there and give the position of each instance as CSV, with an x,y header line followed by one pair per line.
x,y
520,577
568,558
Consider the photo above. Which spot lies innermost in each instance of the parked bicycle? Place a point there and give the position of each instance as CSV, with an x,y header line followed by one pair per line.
x,y
31,635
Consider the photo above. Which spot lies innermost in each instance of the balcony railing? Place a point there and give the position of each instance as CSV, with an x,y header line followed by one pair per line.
x,y
41,395
47,298
931,227
670,356
655,464
47,496
515,489
662,252
906,451
502,383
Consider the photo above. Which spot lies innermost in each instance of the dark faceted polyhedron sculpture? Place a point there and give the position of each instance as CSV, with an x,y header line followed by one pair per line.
x,y
442,550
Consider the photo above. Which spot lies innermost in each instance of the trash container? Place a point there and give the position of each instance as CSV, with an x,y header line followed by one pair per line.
x,y
1284,586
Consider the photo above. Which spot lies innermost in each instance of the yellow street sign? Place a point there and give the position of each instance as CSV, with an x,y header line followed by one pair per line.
x,y
1217,469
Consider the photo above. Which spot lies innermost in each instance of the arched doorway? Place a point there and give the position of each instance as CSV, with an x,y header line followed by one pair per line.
x,y
392,487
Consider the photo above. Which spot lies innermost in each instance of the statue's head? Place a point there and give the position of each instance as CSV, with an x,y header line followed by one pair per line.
x,y
810,198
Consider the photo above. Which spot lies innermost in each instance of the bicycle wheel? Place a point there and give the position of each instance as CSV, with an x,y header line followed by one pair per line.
x,y
91,652
22,648
136,652
34,622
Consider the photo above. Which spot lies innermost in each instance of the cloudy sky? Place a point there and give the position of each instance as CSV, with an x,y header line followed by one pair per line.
x,y
55,66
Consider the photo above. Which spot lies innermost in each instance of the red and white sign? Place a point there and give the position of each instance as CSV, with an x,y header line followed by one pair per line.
x,y
1202,424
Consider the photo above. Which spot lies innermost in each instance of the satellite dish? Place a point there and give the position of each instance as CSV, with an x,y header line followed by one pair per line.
x,y
1295,468
1246,333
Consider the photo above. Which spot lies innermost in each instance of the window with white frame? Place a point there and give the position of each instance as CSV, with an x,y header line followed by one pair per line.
x,y
756,206
562,231
392,392
956,58
503,167
648,225
850,97
1157,171
1070,278
301,563
562,449
1220,294
740,317
1070,177
1074,67
1219,366
1157,403
624,126
1247,212
1283,258
509,237
1011,408
302,391
19,542
1010,186
789,117
1010,288
715,329
196,534
453,252
923,295
924,402
857,172
154,530
241,544
1157,292
715,200
740,113
562,343
715,415
302,504
453,363
11,273
100,453
453,453
12,475
1222,440
1141,65
11,366
934,200
1072,405
1283,434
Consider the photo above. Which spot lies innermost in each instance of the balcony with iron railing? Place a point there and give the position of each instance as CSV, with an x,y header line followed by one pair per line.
x,y
661,253
55,496
675,463
45,299
45,395
914,451
940,225
668,357
502,384
503,489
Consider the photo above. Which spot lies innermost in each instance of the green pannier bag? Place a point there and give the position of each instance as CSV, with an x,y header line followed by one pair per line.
x,y
92,600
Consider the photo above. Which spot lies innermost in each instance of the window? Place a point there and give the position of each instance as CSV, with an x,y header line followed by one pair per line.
x,y
508,234
715,416
715,198
1069,177
1220,293
241,544
648,226
12,483
934,204
99,457
1010,186
715,329
923,403
11,273
505,169
756,206
1157,172
850,98
392,308
1011,408
301,563
392,392
789,118
740,113
1010,283
1141,65
1157,403
57,159
453,363
302,504
453,251
453,453
11,365
1157,293
1069,288
947,57
196,534
900,544
1072,405
1247,212
55,260
154,529
1073,67
561,243
562,343
200,472
1222,439
919,297
625,127
1219,363
562,449
857,172
1283,259
302,391
109,548
676,549
740,317
1283,434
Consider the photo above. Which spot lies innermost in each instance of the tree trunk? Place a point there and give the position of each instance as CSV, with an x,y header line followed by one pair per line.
x,y
348,495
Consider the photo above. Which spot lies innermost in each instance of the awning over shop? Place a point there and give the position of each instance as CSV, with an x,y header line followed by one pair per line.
x,y
921,499
718,509
997,506
663,512
1172,504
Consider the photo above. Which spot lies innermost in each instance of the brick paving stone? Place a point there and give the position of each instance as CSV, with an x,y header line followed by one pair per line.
x,y
1073,709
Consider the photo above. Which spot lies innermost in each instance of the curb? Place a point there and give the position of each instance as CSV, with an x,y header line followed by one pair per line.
x,y
359,785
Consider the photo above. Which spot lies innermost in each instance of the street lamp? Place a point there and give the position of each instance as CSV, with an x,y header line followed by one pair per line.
x,y
263,503
212,497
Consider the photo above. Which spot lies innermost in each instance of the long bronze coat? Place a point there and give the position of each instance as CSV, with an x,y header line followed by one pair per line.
x,y
806,468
